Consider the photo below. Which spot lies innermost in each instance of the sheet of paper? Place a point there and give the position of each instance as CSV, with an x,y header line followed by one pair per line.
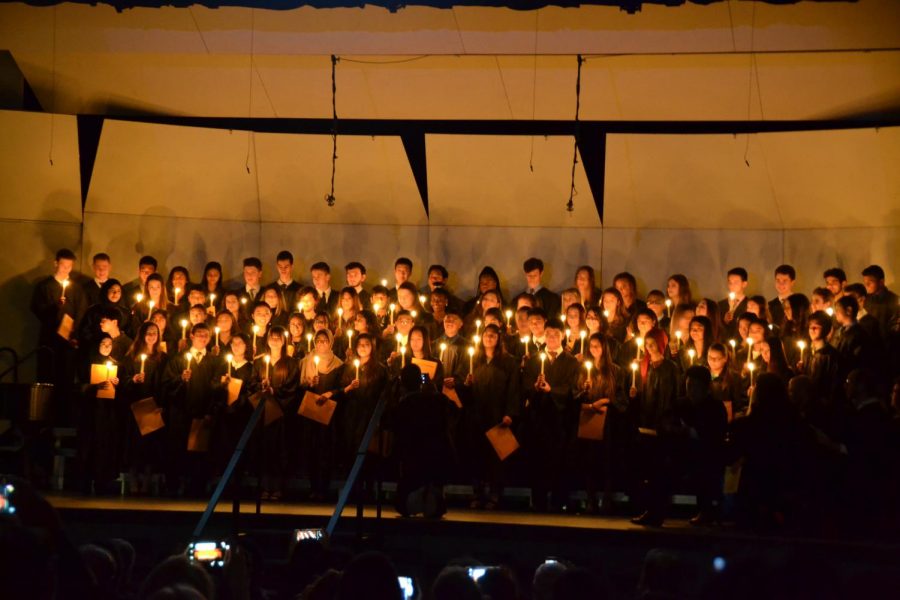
x,y
147,415
234,390
198,438
591,424
503,440
65,327
311,409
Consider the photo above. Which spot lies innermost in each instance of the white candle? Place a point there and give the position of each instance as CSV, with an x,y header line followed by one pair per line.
x,y
255,333
108,369
299,307
309,342
471,359
476,339
340,314
229,358
244,301
509,315
543,358
422,299
143,360
217,330
212,300
177,291
678,335
568,334
731,298
138,298
640,346
606,314
588,365
384,283
150,304
356,364
268,359
350,337
376,307
392,306
414,313
634,367
582,335
733,345
751,367
749,349
65,284
477,326
692,353
802,345
562,317
187,357
829,311
184,324
402,356
443,348
524,340
668,308
316,361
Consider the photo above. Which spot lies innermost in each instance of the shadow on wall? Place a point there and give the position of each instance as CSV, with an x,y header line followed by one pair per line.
x,y
29,251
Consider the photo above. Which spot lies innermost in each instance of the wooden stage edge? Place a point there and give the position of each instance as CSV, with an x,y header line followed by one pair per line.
x,y
582,524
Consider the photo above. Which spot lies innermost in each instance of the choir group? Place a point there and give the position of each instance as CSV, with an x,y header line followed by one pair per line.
x,y
600,382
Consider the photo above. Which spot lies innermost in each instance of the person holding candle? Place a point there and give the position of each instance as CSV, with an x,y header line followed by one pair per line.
x,y
822,364
362,385
408,300
450,347
50,302
678,290
725,385
699,340
653,404
226,330
794,327
109,324
155,291
661,307
626,284
600,388
188,381
706,307
821,299
403,323
679,328
251,271
575,343
211,283
489,299
402,272
490,397
178,278
100,425
141,371
552,416
381,306
586,283
785,277
277,378
632,349
617,316
147,266
260,319
322,377
735,303
232,418
168,336
420,348
296,340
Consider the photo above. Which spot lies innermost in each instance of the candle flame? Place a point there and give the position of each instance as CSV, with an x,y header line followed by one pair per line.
x,y
471,351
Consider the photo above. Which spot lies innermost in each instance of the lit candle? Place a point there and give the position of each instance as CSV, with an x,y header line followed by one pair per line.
x,y
309,342
65,284
634,367
392,306
299,307
443,348
733,345
771,327
477,326
668,308
692,353
212,305
802,345
399,338
422,299
472,359
562,317
568,334
187,357
582,335
177,292
476,339
184,324
403,356
829,311
217,330
751,367
543,358
137,297
606,314
356,364
229,358
376,307
509,315
350,338
384,282
678,335
255,333
143,360
268,359
414,313
244,301
340,313
524,340
108,369
316,362
150,311
588,365
640,346
749,349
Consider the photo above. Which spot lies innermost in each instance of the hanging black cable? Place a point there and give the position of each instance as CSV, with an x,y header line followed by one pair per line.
x,y
570,205
334,60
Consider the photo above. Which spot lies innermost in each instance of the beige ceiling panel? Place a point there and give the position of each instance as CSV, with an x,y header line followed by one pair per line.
x,y
33,189
373,184
688,181
160,170
832,179
487,180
